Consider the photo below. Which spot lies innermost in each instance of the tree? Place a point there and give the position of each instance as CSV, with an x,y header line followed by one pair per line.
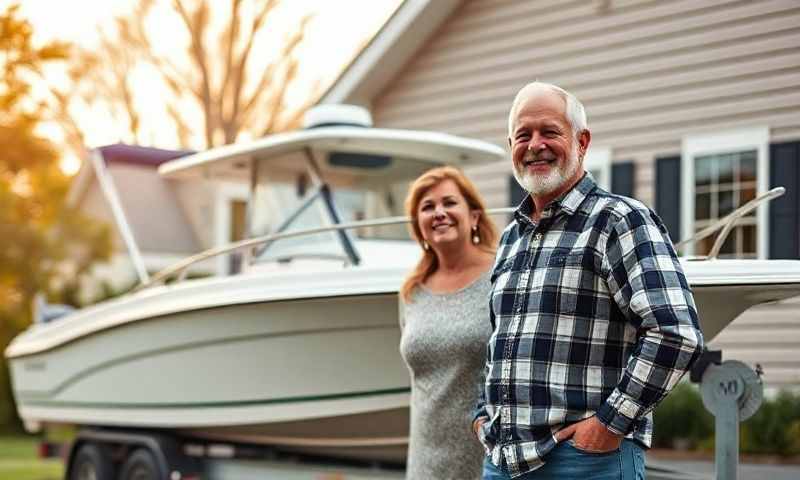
x,y
44,245
215,91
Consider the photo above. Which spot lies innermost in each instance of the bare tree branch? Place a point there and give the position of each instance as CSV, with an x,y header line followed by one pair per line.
x,y
229,37
182,129
196,23
287,57
214,78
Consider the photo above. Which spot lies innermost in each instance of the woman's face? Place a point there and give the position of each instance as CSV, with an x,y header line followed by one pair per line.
x,y
444,217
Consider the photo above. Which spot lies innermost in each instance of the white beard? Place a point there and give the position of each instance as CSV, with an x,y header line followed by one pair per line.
x,y
552,181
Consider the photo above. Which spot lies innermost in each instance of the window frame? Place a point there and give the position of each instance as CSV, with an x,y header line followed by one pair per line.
x,y
599,158
722,142
225,194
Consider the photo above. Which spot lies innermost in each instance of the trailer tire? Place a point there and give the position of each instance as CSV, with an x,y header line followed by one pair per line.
x,y
140,465
92,462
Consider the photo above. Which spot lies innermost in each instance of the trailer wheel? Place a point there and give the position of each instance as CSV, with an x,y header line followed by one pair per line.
x,y
91,463
140,465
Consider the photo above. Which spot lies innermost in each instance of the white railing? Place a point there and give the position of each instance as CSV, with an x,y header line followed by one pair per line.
x,y
729,221
180,269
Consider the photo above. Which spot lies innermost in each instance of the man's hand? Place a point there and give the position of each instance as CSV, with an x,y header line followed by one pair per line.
x,y
591,436
476,425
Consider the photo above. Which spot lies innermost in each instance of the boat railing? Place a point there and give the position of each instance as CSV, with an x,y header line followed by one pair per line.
x,y
728,222
179,270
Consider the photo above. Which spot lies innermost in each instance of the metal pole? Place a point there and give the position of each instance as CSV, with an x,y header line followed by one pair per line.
x,y
110,192
726,455
732,391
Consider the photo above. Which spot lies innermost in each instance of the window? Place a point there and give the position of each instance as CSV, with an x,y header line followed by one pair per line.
x,y
598,162
230,220
238,222
722,172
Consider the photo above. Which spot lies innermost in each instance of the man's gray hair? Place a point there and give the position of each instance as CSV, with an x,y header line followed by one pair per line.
x,y
575,113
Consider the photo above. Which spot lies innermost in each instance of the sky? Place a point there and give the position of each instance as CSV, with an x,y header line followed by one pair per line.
x,y
339,28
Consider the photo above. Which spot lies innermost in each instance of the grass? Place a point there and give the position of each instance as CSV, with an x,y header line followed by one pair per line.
x,y
18,460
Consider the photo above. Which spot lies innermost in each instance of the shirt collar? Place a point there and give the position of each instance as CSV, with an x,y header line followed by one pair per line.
x,y
568,202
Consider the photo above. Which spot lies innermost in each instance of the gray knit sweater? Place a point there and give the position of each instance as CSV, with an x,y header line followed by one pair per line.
x,y
444,345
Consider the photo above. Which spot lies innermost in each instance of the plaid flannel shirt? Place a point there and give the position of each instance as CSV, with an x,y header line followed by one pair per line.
x,y
591,315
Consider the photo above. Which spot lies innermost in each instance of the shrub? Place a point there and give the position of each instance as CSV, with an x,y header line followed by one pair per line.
x,y
775,428
681,420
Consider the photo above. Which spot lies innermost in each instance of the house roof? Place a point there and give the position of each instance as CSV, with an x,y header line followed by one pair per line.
x,y
135,155
120,153
411,25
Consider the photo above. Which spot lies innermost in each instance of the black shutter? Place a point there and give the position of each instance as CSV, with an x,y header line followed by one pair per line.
x,y
515,193
622,178
668,194
784,224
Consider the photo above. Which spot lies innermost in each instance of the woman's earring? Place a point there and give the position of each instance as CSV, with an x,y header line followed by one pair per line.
x,y
425,246
475,238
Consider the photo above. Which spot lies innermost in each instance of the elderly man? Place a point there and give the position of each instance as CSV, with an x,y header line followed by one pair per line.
x,y
593,321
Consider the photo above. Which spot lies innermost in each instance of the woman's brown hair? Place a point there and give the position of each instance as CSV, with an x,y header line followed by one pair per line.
x,y
429,263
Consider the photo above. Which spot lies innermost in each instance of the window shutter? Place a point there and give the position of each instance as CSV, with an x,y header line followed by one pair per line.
x,y
515,194
622,178
668,194
784,224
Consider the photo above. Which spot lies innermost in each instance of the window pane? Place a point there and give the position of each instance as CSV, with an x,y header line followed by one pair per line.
x,y
745,195
747,166
748,233
725,168
704,246
238,220
703,170
729,247
702,206
726,204
723,183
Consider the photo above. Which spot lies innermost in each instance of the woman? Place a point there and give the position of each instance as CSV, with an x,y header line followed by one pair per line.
x,y
445,323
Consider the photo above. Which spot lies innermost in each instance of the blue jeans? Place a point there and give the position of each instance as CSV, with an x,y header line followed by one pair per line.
x,y
565,461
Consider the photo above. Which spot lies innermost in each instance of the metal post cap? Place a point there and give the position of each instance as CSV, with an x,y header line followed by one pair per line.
x,y
732,381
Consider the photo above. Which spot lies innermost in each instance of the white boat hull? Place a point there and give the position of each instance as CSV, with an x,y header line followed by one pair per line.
x,y
255,359
270,372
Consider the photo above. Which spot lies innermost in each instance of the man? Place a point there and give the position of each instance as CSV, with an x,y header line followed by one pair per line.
x,y
593,321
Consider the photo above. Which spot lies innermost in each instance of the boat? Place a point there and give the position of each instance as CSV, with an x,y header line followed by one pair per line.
x,y
299,349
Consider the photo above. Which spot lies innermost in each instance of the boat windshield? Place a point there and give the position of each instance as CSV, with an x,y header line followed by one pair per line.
x,y
285,207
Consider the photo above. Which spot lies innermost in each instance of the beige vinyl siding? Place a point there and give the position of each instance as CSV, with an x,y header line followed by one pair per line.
x,y
769,336
142,191
649,72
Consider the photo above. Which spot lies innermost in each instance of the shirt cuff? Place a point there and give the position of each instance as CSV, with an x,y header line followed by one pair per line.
x,y
619,412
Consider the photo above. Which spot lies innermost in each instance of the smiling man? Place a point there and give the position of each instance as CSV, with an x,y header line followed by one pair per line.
x,y
593,321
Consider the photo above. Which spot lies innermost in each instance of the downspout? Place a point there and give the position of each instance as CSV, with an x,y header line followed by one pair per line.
x,y
110,192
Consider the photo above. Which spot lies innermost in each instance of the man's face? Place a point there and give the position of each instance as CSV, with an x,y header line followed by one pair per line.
x,y
547,157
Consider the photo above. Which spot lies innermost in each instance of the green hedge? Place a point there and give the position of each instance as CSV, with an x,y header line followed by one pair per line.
x,y
681,421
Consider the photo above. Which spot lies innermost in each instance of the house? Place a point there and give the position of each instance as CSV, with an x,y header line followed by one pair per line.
x,y
694,108
191,216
